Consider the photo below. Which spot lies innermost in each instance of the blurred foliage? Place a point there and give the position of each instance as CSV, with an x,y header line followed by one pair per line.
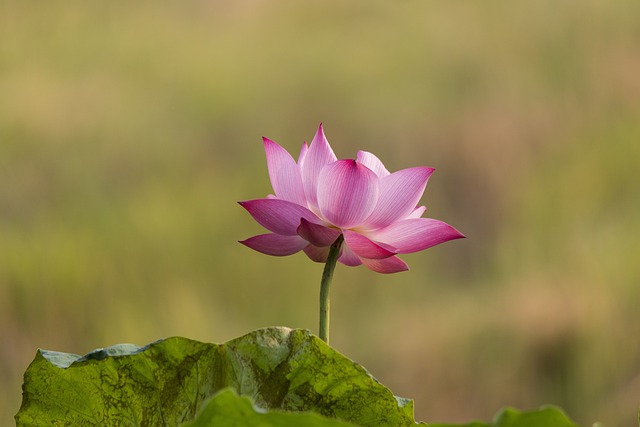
x,y
546,416
129,131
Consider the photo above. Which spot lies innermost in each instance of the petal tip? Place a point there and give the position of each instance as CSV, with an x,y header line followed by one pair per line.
x,y
455,233
449,233
320,131
268,142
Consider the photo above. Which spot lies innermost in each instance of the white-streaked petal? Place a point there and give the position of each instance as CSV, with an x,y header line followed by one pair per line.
x,y
347,193
302,155
276,244
364,247
399,194
284,173
317,234
417,212
386,266
373,163
416,234
316,158
278,216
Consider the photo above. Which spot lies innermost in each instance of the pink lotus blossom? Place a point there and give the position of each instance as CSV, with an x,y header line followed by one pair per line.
x,y
320,197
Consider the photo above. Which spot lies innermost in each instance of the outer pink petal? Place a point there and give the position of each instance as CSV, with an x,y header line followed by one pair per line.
x,y
317,234
387,265
277,215
317,157
347,193
317,254
417,212
399,194
348,257
284,173
416,234
373,163
365,248
276,244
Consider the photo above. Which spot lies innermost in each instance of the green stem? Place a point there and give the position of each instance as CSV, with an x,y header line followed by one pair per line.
x,y
327,275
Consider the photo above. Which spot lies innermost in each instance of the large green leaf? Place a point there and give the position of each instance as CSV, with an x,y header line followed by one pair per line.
x,y
168,382
228,409
543,417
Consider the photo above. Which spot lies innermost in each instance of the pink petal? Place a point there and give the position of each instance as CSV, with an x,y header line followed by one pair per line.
x,y
317,157
399,194
317,234
365,248
348,257
347,193
303,154
278,216
373,163
417,212
416,234
387,265
284,173
276,244
317,254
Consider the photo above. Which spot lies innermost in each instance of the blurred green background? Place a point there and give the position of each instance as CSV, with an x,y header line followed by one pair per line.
x,y
129,131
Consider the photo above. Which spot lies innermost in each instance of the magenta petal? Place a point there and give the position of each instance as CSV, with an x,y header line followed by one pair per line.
x,y
317,234
277,215
317,254
365,248
348,257
416,234
387,265
399,194
347,193
314,160
284,173
373,163
276,244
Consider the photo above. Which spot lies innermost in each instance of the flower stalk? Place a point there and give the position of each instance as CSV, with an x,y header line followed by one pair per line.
x,y
325,284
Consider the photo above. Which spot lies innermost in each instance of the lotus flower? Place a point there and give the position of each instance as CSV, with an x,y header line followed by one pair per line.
x,y
318,198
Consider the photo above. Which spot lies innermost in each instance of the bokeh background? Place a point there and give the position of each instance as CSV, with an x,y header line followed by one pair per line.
x,y
128,131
